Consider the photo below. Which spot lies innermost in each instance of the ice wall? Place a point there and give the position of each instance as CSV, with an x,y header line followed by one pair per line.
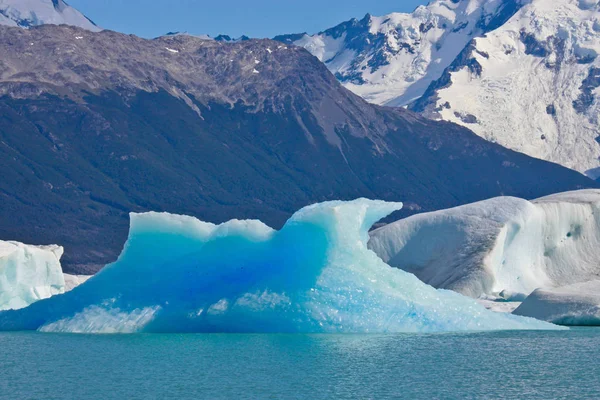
x,y
28,274
178,274
504,246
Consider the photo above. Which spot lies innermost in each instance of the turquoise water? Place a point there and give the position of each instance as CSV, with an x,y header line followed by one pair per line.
x,y
533,365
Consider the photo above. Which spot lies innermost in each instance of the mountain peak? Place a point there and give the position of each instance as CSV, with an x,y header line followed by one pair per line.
x,y
392,59
27,13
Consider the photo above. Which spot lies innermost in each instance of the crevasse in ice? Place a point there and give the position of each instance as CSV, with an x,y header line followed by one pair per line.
x,y
178,274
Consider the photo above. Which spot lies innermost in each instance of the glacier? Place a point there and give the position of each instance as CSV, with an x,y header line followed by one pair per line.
x,y
29,273
392,59
499,248
531,85
316,274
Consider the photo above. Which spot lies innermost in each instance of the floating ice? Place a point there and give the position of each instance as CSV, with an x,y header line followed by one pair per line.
x,y
577,304
28,274
505,247
178,274
72,281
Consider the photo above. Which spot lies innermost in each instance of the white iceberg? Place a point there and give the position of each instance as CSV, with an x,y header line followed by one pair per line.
x,y
28,274
504,247
179,274
577,304
72,281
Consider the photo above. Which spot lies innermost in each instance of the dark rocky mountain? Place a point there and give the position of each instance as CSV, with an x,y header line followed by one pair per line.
x,y
95,125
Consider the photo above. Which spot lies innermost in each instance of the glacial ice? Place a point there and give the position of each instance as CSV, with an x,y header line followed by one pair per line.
x,y
577,304
504,247
72,281
28,274
178,274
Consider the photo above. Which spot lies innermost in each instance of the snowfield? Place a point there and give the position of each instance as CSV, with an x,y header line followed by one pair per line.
x,y
499,248
532,85
392,59
27,13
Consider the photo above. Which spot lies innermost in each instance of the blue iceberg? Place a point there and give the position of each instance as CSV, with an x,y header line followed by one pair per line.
x,y
178,274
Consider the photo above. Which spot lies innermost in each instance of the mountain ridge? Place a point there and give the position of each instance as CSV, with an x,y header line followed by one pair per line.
x,y
392,59
95,125
522,73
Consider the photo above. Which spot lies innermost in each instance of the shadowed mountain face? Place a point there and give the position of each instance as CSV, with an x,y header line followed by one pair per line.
x,y
95,125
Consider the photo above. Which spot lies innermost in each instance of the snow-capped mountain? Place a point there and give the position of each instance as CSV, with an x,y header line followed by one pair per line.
x,y
531,85
523,73
393,59
26,13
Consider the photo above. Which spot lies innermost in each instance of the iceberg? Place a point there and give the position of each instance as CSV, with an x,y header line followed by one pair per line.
x,y
503,247
577,304
28,274
72,281
316,274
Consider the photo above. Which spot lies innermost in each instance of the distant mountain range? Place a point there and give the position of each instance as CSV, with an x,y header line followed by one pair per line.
x,y
522,73
96,124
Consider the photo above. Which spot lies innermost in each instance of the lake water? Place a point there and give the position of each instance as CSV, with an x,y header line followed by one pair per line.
x,y
532,365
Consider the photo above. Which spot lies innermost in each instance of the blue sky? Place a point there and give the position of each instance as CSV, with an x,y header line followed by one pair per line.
x,y
256,18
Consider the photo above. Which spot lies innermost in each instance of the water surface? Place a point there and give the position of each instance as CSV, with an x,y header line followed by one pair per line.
x,y
534,365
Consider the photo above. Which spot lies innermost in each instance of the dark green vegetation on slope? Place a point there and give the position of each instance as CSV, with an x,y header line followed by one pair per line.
x,y
95,128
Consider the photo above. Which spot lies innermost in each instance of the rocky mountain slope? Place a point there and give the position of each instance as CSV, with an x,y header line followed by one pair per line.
x,y
95,125
522,73
26,13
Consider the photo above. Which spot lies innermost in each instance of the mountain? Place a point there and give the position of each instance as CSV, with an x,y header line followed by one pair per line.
x,y
27,13
394,58
522,73
95,125
531,84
